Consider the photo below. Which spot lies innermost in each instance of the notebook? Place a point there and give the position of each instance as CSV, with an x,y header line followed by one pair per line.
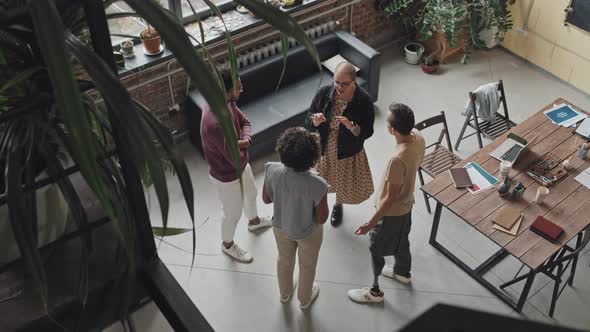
x,y
507,216
546,229
511,231
460,177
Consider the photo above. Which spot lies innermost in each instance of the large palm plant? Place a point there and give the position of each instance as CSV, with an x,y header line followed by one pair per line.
x,y
45,108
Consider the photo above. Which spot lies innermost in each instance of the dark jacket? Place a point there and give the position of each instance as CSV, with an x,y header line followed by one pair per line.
x,y
359,110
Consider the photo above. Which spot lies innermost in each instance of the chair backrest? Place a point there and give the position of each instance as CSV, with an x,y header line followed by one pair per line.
x,y
502,99
435,120
560,259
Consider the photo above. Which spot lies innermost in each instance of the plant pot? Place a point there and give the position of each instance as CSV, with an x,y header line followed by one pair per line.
x,y
151,45
430,69
127,49
414,52
52,215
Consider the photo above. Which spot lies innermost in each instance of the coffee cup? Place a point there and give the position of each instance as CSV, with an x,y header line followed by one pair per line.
x,y
542,193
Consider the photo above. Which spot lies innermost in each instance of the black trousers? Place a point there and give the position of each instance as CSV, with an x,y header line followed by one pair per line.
x,y
391,238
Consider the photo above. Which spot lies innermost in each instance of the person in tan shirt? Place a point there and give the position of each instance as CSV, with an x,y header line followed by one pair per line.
x,y
389,227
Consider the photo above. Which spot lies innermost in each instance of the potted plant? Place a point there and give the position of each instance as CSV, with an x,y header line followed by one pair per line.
x,y
459,24
151,40
43,103
413,52
430,64
401,13
127,48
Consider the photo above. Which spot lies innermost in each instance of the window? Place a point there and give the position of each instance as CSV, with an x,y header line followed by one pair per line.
x,y
129,26
198,5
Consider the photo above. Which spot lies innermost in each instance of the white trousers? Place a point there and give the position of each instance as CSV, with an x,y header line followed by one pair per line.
x,y
232,202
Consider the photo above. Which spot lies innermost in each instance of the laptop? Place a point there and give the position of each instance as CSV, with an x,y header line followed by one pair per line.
x,y
584,129
512,148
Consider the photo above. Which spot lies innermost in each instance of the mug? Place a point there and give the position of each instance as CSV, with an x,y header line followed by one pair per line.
x,y
542,192
505,167
567,165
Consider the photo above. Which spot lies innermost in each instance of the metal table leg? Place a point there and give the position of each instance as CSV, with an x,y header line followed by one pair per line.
x,y
480,271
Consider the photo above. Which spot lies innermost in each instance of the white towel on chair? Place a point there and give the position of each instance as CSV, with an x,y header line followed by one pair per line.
x,y
487,102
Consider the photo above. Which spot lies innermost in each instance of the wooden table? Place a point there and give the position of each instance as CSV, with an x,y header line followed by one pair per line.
x,y
567,205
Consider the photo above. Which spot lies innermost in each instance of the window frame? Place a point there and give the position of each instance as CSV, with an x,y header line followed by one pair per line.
x,y
176,7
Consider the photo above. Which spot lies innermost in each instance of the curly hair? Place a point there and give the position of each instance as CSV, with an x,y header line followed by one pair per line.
x,y
299,148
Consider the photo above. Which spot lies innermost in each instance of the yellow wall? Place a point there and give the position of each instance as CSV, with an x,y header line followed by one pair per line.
x,y
561,50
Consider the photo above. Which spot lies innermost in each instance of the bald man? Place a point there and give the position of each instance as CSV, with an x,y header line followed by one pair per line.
x,y
343,115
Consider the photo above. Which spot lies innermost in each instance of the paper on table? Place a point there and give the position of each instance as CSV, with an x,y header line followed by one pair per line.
x,y
564,115
481,179
584,178
513,230
573,121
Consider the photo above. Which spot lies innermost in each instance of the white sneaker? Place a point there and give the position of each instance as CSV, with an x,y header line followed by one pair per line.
x,y
286,298
264,222
315,290
388,272
364,295
237,253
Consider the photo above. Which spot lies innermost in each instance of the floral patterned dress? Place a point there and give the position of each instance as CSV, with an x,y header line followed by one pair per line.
x,y
350,178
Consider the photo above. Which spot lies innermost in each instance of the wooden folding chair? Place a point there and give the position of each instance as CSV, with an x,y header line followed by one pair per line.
x,y
490,130
566,256
440,158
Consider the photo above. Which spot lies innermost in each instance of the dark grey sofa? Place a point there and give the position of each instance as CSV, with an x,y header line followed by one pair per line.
x,y
271,111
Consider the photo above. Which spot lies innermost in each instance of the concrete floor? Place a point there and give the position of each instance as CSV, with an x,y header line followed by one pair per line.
x,y
244,297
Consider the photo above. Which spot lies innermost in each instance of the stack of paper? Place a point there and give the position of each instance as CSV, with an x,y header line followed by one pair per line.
x,y
508,220
481,179
564,115
584,178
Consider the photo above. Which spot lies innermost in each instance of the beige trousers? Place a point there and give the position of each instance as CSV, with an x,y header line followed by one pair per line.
x,y
309,250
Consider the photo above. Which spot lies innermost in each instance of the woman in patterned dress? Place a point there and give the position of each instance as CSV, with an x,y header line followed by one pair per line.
x,y
343,115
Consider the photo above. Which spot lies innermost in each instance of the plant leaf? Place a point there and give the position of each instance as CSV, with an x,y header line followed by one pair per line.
x,y
23,221
231,51
285,51
20,77
197,70
169,231
50,32
54,168
137,139
179,166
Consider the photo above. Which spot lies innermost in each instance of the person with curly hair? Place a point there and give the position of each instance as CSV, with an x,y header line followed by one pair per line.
x,y
343,115
300,207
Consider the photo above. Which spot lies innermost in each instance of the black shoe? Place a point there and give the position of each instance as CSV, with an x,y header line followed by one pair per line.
x,y
336,218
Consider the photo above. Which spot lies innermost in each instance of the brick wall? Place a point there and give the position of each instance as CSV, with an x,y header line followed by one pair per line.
x,y
151,86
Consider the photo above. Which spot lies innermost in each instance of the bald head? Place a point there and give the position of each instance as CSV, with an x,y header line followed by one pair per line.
x,y
347,69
